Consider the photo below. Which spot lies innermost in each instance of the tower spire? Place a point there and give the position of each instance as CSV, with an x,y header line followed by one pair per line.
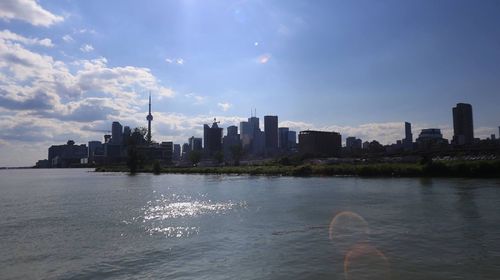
x,y
149,118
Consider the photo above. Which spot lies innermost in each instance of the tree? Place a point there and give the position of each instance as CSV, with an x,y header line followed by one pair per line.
x,y
134,159
236,153
195,157
219,157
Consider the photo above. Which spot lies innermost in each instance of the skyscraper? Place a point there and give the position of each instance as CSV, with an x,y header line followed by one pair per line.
x,y
116,133
149,118
408,134
212,138
271,131
463,128
283,138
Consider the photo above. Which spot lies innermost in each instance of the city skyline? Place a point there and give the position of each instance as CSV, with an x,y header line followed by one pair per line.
x,y
333,82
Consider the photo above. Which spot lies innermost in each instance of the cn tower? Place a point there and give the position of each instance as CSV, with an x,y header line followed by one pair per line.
x,y
149,118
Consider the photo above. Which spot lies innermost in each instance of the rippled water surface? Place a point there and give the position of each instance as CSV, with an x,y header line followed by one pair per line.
x,y
75,224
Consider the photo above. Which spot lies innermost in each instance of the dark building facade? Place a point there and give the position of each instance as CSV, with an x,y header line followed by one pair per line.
x,y
320,143
283,138
271,133
463,128
61,156
212,138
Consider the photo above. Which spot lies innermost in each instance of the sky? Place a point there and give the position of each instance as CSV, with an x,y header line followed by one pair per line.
x,y
69,68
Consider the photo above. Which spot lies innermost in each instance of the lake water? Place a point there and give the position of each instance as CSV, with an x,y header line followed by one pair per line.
x,y
76,224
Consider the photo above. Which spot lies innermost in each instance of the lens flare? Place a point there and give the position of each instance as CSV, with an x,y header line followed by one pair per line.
x,y
348,228
364,261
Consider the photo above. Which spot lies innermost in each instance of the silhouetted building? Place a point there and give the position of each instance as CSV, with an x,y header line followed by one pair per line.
x,y
320,143
185,150
195,144
68,155
177,152
463,128
271,133
408,140
353,144
283,138
161,152
431,139
246,135
116,133
149,118
212,138
292,140
230,140
95,148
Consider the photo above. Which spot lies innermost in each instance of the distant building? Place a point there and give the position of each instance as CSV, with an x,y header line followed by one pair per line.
x,y
212,138
195,144
352,144
283,138
320,143
463,128
366,145
292,140
246,135
230,140
431,139
116,133
185,150
177,152
68,155
408,140
95,148
271,133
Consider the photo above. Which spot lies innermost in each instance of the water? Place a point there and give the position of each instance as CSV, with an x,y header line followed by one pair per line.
x,y
75,224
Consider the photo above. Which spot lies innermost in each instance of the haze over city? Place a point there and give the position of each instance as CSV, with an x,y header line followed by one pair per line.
x,y
70,68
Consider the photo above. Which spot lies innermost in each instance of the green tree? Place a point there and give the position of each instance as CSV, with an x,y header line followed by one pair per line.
x,y
156,167
219,157
236,153
195,157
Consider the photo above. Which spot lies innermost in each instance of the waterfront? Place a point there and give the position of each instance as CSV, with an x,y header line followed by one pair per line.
x,y
78,224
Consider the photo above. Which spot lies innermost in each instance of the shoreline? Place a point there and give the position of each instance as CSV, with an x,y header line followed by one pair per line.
x,y
478,169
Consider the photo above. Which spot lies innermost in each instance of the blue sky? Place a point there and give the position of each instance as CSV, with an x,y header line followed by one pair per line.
x,y
70,67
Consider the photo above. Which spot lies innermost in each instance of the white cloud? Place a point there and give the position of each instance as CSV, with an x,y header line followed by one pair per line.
x,y
13,37
29,11
224,106
37,83
178,61
86,48
198,99
263,59
67,38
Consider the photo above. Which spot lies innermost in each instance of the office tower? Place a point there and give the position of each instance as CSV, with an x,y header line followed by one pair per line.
x,y
61,156
463,128
232,131
212,138
292,139
195,144
271,132
149,118
116,133
320,143
164,151
246,135
283,138
353,143
177,152
408,135
93,146
185,150
493,137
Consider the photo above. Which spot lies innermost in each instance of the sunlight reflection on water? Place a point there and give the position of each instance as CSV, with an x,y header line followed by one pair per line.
x,y
170,214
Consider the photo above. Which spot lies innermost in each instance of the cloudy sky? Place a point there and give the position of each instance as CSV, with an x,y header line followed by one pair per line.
x,y
69,68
